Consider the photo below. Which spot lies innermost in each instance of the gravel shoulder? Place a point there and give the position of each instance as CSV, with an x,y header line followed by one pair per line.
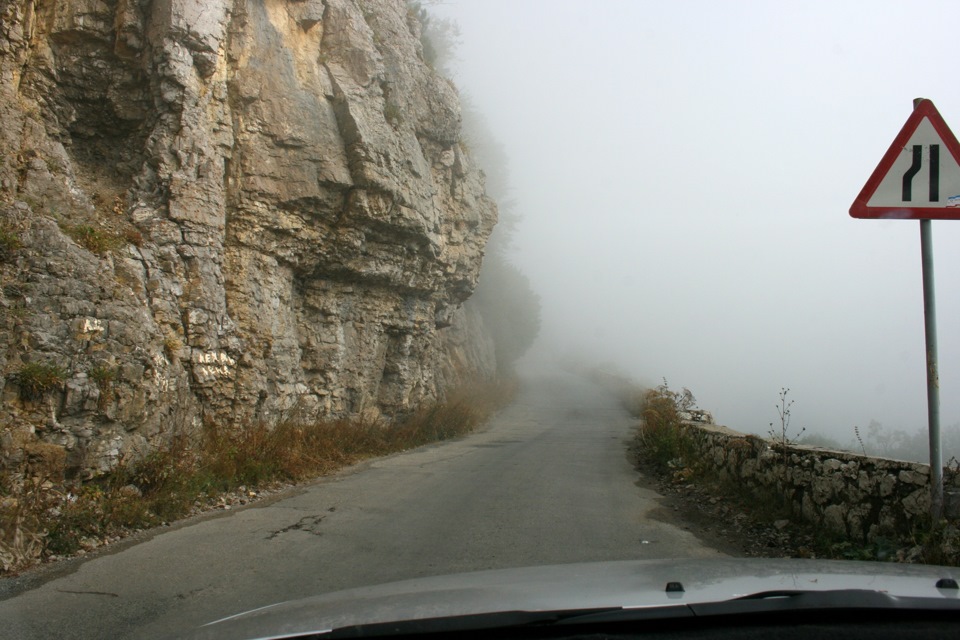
x,y
720,521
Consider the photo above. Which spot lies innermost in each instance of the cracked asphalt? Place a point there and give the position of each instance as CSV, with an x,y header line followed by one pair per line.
x,y
548,481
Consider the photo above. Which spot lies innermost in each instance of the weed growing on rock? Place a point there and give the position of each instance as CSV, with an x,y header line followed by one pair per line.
x,y
92,239
104,377
133,236
9,243
392,114
35,379
172,345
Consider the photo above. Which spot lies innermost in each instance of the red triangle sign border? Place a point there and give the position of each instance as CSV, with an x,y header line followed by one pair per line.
x,y
859,209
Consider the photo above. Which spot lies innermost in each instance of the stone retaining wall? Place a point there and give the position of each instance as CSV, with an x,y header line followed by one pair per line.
x,y
858,496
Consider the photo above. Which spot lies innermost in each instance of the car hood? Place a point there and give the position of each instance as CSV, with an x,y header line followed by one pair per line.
x,y
588,586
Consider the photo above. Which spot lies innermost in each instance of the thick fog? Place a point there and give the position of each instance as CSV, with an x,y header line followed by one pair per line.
x,y
683,172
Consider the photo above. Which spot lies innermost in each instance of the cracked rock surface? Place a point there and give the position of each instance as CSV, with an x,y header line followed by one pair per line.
x,y
228,210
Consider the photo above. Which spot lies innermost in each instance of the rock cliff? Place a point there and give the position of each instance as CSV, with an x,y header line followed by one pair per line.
x,y
222,209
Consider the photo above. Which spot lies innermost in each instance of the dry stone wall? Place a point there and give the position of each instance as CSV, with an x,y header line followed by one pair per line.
x,y
219,209
861,497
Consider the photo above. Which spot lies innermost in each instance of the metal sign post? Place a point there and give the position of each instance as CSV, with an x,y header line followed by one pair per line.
x,y
933,376
918,178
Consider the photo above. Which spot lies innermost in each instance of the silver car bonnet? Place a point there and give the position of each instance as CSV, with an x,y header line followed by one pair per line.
x,y
627,584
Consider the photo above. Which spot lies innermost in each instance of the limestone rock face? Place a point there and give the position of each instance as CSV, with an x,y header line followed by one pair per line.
x,y
219,209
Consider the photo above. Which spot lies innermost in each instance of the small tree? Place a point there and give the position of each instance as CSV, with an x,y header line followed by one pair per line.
x,y
781,437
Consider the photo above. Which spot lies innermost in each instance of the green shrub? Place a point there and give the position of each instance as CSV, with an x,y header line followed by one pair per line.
x,y
661,438
92,239
172,345
133,236
9,243
392,113
35,379
104,377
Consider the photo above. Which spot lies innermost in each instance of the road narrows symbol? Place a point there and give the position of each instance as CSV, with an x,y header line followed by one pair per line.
x,y
934,173
912,171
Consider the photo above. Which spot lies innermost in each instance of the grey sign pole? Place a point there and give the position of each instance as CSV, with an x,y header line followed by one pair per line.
x,y
933,377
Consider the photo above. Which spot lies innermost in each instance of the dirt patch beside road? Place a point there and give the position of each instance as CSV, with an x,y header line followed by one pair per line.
x,y
723,522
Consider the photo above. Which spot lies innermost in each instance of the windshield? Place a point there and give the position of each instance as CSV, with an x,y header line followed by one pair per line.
x,y
301,296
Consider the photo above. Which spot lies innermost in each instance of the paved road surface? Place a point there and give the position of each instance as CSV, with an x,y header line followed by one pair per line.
x,y
548,482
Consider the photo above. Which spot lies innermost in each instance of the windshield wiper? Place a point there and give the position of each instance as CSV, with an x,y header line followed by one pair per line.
x,y
452,624
841,599
774,602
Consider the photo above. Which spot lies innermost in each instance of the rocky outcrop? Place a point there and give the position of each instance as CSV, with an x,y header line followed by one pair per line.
x,y
217,209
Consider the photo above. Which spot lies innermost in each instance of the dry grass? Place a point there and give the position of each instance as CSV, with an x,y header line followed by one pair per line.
x,y
661,439
93,239
43,516
9,242
35,379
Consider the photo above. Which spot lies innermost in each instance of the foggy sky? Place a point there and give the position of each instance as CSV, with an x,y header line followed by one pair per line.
x,y
684,172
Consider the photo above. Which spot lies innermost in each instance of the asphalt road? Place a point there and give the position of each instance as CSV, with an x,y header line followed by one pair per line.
x,y
547,482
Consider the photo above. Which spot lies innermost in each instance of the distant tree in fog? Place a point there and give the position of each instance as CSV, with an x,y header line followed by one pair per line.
x,y
438,36
510,309
509,306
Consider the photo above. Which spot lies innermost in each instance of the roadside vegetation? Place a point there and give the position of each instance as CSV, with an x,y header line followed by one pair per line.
x,y
666,450
661,440
43,515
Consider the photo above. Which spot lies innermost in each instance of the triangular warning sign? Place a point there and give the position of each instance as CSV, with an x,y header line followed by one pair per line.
x,y
919,175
